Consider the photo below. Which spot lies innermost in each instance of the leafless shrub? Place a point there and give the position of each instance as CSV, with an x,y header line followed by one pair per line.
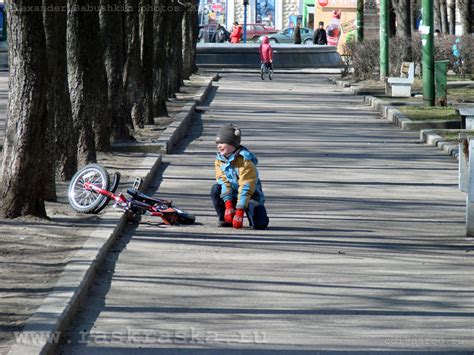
x,y
463,53
365,58
399,51
416,50
346,57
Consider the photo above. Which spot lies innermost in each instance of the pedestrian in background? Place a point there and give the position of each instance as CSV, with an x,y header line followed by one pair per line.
x,y
320,36
266,53
221,35
236,33
238,189
201,35
297,34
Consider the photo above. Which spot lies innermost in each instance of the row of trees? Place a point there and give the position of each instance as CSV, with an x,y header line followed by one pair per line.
x,y
405,43
407,13
83,73
447,13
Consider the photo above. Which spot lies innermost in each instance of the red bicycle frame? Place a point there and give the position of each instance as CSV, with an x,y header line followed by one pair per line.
x,y
166,215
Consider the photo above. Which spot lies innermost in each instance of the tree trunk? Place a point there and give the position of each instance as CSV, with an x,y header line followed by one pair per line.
x,y
81,78
170,61
49,187
414,13
465,7
59,104
98,86
160,24
111,27
133,74
163,31
178,51
402,11
174,51
146,34
23,171
452,16
444,16
437,15
189,39
193,24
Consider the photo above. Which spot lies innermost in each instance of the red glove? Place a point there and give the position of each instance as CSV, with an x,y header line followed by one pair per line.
x,y
229,211
238,221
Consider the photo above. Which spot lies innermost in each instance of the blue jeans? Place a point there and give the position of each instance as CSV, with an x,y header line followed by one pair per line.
x,y
256,213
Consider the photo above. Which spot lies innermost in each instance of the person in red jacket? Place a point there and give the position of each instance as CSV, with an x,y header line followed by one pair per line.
x,y
266,53
236,33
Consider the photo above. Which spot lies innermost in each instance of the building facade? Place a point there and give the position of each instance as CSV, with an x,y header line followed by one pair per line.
x,y
273,13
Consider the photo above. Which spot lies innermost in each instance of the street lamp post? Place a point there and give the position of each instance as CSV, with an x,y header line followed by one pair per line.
x,y
427,40
384,39
246,3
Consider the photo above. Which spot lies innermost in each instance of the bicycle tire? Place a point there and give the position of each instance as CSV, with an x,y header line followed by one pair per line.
x,y
185,217
270,74
262,73
113,185
85,201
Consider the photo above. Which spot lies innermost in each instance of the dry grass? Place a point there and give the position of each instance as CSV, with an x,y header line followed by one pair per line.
x,y
425,113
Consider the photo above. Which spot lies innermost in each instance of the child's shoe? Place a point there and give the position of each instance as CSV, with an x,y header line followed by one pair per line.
x,y
223,224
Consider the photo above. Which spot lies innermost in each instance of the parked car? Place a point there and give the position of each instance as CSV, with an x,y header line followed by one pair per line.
x,y
255,30
286,36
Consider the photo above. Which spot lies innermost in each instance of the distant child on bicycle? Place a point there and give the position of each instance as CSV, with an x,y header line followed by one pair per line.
x,y
266,53
238,189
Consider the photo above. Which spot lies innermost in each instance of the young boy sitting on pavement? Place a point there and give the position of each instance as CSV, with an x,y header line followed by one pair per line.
x,y
238,187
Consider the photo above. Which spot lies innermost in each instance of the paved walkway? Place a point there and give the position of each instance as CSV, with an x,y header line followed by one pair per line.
x,y
365,251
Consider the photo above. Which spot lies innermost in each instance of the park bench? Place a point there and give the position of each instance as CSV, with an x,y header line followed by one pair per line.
x,y
401,86
467,116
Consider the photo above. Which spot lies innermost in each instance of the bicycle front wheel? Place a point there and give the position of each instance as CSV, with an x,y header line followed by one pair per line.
x,y
83,200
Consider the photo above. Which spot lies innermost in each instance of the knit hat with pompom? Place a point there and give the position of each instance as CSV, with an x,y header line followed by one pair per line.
x,y
229,134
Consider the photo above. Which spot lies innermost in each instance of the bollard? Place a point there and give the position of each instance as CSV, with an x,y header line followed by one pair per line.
x,y
463,162
466,180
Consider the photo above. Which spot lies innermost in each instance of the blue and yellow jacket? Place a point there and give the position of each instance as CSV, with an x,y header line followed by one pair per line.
x,y
238,177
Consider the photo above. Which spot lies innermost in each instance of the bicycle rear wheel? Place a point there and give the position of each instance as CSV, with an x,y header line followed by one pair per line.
x,y
83,200
270,74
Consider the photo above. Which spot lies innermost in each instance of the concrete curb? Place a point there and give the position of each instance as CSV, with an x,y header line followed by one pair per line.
x,y
431,137
42,331
427,133
177,129
174,132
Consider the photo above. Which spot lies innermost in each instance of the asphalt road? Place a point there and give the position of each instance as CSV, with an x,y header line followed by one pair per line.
x,y
365,250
